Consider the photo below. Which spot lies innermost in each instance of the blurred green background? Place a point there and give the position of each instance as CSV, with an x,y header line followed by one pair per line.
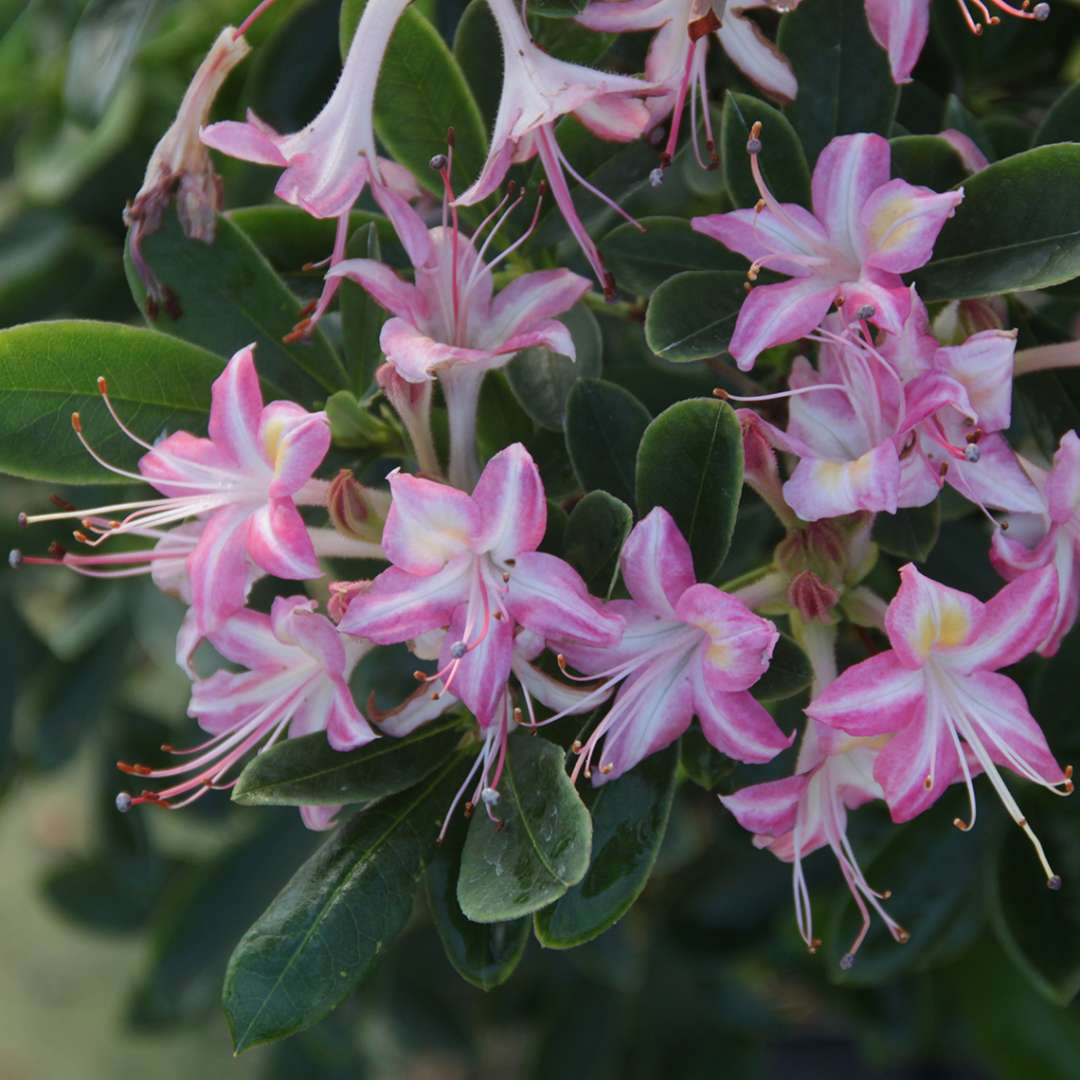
x,y
117,928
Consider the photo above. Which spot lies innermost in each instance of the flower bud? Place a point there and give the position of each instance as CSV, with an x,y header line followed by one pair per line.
x,y
412,402
342,594
357,511
811,597
959,319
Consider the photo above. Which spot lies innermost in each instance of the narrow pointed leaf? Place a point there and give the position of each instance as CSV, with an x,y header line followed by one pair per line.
x,y
629,817
49,370
307,771
692,315
541,847
690,462
323,932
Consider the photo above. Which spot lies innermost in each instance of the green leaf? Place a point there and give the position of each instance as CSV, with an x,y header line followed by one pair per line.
x,y
421,94
484,954
361,317
540,849
783,163
641,262
789,672
353,425
476,42
630,817
959,117
690,462
50,369
323,932
692,315
1062,122
927,160
595,533
604,424
228,296
910,533
983,251
542,380
307,771
844,80
701,761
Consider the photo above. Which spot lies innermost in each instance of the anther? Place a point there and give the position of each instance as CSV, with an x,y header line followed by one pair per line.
x,y
576,746
656,177
720,392
1041,12
928,783
490,796
902,935
1054,883
458,650
15,558
124,802
469,808
867,311
76,422
420,676
134,770
972,453
847,961
607,767
103,386
964,826
438,162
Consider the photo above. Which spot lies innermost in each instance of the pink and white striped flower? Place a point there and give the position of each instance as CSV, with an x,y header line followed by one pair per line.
x,y
297,682
937,691
678,53
865,231
901,26
328,163
796,816
688,649
537,91
469,564
243,484
1050,536
449,324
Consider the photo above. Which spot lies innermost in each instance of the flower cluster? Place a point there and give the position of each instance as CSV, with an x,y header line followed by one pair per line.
x,y
883,407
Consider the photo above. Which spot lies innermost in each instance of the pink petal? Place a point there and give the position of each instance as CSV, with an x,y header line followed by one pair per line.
x,y
294,442
847,172
776,314
510,499
218,566
500,156
235,409
882,291
899,225
615,117
548,597
295,620
973,159
255,142
428,524
755,56
656,563
555,694
419,708
549,334
278,541
532,298
1063,483
409,226
319,818
996,479
416,356
321,191
739,644
227,699
926,616
399,606
736,724
916,766
617,16
787,242
644,634
769,809
481,676
247,638
346,728
1013,623
187,459
822,489
384,287
900,28
931,391
870,698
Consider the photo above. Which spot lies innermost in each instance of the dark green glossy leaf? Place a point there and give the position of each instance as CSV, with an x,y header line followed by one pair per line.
x,y
307,770
361,317
788,674
48,370
1040,928
542,379
476,43
910,533
557,9
323,932
1062,122
595,533
484,954
692,315
353,425
421,94
629,817
983,251
690,462
701,761
228,296
927,160
844,80
641,262
783,163
540,849
960,118
604,424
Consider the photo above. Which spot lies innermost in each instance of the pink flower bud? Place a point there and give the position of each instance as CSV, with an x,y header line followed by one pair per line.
x,y
357,511
811,597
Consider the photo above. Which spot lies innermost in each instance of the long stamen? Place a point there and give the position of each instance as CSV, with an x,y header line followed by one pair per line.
x,y
753,148
726,395
256,12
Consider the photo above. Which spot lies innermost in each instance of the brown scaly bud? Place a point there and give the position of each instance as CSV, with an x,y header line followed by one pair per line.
x,y
180,168
811,597
357,511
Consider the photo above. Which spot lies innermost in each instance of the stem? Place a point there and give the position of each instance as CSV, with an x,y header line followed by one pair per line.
x,y
819,643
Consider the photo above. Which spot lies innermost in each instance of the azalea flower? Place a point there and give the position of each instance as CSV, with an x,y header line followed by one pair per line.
x,y
1049,536
900,26
243,483
469,563
677,55
537,91
449,324
796,816
688,649
938,693
865,231
180,167
328,163
296,682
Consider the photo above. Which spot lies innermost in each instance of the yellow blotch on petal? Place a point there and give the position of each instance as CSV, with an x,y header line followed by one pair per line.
x,y
943,628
